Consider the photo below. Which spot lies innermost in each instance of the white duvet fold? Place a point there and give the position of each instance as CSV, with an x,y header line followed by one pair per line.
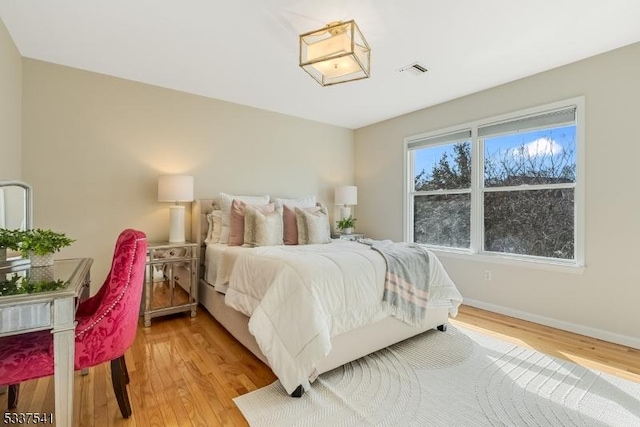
x,y
220,259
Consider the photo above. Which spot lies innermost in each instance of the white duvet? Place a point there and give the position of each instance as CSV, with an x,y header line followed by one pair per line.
x,y
298,297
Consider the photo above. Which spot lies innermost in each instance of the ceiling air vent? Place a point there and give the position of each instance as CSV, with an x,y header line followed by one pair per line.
x,y
416,69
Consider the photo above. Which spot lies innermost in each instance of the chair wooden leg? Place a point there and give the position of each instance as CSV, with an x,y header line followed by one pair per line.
x,y
125,370
14,394
120,386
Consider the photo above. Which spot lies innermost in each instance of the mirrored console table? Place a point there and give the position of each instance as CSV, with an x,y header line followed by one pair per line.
x,y
41,298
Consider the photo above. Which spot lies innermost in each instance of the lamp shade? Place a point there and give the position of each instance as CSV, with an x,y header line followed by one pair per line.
x,y
347,195
175,188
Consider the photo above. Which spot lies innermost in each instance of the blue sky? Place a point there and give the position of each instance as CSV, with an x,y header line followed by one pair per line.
x,y
550,141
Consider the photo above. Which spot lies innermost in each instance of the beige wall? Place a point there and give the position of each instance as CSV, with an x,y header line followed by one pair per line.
x,y
94,146
603,301
10,107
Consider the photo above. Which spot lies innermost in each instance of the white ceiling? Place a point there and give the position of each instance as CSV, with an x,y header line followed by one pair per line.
x,y
246,51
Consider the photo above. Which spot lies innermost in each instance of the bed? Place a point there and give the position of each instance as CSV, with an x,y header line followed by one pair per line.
x,y
306,309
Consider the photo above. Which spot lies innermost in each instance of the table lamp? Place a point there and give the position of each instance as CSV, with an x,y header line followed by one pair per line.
x,y
176,189
345,196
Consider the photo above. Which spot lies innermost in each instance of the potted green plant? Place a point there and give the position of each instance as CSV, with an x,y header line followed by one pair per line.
x,y
9,239
346,225
40,245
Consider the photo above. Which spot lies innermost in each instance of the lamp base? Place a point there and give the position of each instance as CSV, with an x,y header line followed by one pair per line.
x,y
176,224
345,212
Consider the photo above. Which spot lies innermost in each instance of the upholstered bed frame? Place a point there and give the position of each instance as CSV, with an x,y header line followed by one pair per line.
x,y
345,347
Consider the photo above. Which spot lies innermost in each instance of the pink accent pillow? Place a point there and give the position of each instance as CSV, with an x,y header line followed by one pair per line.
x,y
290,224
236,220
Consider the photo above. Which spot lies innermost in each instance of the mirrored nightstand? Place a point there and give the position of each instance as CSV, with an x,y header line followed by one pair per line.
x,y
171,280
352,236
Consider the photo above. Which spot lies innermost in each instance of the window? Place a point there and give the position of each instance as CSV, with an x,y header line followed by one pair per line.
x,y
442,191
508,186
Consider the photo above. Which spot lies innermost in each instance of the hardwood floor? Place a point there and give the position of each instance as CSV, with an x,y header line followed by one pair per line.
x,y
185,372
590,352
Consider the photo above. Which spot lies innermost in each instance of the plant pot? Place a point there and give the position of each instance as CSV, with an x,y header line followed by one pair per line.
x,y
347,230
41,260
41,274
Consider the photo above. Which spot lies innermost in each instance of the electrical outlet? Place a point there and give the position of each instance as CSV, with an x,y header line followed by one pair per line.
x,y
487,275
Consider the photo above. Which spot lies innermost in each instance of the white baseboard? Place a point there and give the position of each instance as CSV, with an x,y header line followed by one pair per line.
x,y
558,324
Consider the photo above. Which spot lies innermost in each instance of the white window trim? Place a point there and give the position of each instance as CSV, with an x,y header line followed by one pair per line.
x,y
474,252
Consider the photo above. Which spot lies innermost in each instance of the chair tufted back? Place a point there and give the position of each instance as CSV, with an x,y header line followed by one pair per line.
x,y
108,321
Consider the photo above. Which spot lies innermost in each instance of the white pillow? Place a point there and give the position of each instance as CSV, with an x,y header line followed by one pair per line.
x,y
207,239
313,227
225,206
215,226
300,202
262,229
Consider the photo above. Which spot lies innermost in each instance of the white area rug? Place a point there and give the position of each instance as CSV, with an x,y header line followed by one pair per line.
x,y
455,378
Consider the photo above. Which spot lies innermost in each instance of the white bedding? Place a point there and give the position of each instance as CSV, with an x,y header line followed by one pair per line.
x,y
298,297
219,261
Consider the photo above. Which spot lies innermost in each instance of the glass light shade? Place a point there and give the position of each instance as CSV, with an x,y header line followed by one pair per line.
x,y
335,54
347,195
175,188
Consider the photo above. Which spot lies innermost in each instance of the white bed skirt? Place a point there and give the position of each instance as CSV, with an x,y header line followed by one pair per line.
x,y
346,347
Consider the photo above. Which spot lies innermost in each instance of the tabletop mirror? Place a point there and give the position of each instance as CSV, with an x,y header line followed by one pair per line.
x,y
16,213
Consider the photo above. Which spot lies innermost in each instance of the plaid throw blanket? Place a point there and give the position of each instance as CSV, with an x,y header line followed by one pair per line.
x,y
406,284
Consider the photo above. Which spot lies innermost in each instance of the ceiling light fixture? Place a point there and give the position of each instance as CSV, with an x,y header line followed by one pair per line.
x,y
337,53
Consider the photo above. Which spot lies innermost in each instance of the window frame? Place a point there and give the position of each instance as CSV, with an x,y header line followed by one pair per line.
x,y
477,190
442,192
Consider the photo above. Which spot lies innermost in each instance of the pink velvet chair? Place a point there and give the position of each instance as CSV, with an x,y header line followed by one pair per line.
x,y
106,327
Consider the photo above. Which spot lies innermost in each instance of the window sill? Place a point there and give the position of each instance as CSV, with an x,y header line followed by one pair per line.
x,y
504,260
